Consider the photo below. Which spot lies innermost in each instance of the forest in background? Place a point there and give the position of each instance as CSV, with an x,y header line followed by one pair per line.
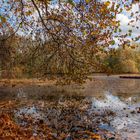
x,y
22,57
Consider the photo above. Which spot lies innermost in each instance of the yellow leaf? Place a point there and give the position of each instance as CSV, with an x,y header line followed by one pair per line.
x,y
114,23
102,10
87,1
28,13
3,19
107,3
93,33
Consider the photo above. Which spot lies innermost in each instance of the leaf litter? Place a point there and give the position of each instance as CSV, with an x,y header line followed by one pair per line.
x,y
70,118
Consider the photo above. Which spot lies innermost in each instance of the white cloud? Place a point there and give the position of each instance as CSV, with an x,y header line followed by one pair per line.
x,y
125,18
135,7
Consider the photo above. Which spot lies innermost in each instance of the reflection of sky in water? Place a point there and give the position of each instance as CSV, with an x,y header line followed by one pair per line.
x,y
110,101
125,122
30,111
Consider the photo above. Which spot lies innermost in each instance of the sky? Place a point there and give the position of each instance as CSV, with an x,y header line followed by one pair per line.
x,y
125,19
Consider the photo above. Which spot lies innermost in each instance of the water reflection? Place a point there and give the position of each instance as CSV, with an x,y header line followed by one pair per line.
x,y
21,94
109,102
127,120
125,123
105,93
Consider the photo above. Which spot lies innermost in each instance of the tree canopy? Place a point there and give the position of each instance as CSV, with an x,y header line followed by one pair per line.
x,y
64,37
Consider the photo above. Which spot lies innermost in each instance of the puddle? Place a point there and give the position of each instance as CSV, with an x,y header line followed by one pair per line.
x,y
32,111
126,122
21,94
111,104
107,127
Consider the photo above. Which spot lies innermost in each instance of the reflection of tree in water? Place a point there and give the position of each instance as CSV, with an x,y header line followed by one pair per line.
x,y
113,84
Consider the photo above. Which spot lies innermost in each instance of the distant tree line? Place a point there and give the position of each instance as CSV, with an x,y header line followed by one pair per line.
x,y
125,59
27,57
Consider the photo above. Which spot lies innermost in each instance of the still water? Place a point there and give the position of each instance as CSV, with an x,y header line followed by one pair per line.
x,y
121,96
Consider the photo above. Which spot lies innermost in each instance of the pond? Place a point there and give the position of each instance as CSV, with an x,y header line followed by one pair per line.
x,y
108,107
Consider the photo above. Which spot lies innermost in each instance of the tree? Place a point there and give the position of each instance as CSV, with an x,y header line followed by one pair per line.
x,y
129,66
6,52
73,33
123,60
